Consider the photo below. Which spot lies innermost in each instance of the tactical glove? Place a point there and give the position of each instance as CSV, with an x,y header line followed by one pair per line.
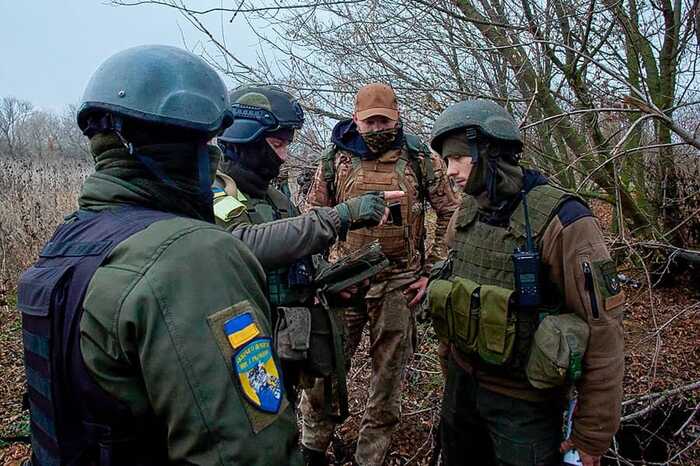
x,y
360,212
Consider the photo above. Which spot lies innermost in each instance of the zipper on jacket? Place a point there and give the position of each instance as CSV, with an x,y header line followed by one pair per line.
x,y
588,275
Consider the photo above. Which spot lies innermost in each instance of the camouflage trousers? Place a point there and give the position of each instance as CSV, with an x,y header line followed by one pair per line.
x,y
392,332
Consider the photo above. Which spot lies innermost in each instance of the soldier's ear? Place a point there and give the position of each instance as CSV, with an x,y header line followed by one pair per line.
x,y
354,117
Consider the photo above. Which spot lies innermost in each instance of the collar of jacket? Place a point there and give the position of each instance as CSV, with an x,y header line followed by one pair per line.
x,y
347,138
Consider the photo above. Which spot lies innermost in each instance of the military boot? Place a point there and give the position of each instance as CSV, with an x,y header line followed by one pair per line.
x,y
314,457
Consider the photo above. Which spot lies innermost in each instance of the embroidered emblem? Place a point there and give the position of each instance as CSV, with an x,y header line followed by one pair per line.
x,y
258,374
241,329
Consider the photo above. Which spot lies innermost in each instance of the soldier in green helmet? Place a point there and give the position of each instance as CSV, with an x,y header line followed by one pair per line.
x,y
527,307
247,203
146,327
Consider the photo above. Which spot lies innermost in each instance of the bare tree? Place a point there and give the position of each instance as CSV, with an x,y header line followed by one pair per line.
x,y
13,114
604,88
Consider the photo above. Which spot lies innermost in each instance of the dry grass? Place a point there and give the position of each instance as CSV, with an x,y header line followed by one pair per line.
x,y
35,195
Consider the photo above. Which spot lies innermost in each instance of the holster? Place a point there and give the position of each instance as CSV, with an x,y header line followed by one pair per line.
x,y
311,341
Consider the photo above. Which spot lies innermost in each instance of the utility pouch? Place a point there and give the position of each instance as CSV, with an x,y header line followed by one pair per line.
x,y
496,325
293,333
439,292
557,351
466,309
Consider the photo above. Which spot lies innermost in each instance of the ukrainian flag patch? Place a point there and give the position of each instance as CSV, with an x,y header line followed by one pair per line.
x,y
258,374
241,329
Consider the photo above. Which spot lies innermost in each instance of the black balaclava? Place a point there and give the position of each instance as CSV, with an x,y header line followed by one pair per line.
x,y
252,166
180,194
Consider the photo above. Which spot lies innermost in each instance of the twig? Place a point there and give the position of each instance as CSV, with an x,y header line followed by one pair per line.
x,y
660,398
690,418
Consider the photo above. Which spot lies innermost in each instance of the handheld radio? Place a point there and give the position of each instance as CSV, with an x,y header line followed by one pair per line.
x,y
527,266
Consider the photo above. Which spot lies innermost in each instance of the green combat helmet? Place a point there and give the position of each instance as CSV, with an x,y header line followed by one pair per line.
x,y
161,87
158,84
480,120
487,118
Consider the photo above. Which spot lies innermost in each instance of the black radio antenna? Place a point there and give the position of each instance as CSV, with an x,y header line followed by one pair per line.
x,y
528,231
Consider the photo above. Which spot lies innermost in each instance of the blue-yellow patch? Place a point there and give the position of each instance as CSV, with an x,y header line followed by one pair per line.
x,y
259,376
241,329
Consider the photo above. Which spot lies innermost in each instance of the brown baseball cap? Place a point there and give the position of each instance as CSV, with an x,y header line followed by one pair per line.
x,y
376,99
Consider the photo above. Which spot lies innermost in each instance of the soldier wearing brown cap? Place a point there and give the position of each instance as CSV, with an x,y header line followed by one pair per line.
x,y
369,153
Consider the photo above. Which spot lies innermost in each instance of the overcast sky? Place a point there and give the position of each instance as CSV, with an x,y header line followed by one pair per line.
x,y
49,48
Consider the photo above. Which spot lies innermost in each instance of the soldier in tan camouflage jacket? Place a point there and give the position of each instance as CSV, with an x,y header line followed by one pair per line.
x,y
372,153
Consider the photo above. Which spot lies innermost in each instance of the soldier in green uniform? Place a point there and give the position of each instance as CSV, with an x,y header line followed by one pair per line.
x,y
246,202
146,327
528,306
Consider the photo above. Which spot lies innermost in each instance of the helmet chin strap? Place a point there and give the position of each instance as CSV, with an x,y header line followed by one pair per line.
x,y
473,143
229,152
205,181
203,168
150,164
491,178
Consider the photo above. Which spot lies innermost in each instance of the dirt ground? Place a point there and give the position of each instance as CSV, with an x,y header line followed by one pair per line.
x,y
656,361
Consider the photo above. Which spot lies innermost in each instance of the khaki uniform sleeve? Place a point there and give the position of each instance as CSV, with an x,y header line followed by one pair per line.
x,y
445,202
578,260
165,352
282,242
318,192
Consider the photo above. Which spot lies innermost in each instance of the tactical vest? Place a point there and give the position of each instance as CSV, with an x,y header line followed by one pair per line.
x,y
73,420
483,259
409,170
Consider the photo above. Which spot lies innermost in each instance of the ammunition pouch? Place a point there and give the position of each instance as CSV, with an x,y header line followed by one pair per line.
x,y
293,333
483,322
304,336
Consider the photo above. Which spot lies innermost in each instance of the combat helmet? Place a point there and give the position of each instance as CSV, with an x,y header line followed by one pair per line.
x,y
157,84
479,118
261,110
163,86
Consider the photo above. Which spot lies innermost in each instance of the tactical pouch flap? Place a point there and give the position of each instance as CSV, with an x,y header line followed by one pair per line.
x,y
557,351
321,360
496,325
439,293
37,287
465,304
293,333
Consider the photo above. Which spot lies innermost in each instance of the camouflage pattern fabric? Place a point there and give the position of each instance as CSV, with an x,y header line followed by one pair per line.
x,y
380,141
392,339
400,244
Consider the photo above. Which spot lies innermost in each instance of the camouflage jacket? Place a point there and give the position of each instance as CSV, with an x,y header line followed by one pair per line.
x,y
392,170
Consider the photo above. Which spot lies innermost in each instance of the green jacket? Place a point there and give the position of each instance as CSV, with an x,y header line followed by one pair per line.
x,y
152,336
279,243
